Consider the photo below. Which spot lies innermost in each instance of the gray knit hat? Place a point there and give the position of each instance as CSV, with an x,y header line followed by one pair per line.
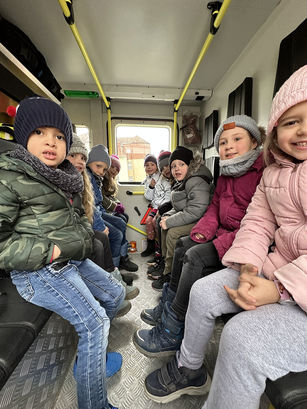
x,y
242,121
36,112
78,147
99,153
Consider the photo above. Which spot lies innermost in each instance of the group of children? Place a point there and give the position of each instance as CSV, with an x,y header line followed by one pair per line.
x,y
255,225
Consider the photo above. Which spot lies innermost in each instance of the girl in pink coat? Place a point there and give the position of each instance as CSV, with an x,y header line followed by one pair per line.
x,y
265,282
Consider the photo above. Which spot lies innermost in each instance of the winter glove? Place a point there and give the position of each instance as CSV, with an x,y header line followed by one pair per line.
x,y
119,208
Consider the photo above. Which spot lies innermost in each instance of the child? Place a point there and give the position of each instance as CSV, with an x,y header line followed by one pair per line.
x,y
45,239
267,338
109,191
237,139
152,176
98,163
190,197
161,195
78,156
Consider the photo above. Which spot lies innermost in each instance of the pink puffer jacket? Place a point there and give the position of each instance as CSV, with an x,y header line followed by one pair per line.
x,y
277,214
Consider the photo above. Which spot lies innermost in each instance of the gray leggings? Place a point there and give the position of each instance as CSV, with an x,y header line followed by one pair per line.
x,y
255,345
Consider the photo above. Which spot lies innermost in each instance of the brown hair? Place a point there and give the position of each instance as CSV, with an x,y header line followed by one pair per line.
x,y
271,146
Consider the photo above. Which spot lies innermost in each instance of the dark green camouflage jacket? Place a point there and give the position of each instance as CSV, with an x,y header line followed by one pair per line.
x,y
34,216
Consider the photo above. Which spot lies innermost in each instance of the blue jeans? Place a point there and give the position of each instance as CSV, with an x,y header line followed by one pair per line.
x,y
71,292
117,236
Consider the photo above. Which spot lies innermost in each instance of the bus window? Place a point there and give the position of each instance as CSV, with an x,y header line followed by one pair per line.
x,y
134,142
84,134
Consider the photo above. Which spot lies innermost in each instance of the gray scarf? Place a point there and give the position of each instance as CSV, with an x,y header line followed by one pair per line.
x,y
65,176
239,165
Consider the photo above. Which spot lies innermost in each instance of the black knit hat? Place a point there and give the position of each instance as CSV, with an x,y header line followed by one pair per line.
x,y
36,112
181,153
150,158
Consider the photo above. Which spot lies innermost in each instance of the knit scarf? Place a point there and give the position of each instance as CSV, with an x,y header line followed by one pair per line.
x,y
239,165
65,176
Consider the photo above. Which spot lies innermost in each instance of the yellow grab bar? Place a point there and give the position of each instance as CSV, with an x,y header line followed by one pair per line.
x,y
73,27
136,229
174,138
203,51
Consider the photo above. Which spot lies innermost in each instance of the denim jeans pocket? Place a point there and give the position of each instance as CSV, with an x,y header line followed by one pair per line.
x,y
59,268
23,284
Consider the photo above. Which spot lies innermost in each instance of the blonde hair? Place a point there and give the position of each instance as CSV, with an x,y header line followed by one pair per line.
x,y
88,197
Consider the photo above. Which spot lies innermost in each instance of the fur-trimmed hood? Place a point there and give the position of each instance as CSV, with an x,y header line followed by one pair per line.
x,y
198,168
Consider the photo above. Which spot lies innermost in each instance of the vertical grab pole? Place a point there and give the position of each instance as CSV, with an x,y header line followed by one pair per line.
x,y
174,138
110,140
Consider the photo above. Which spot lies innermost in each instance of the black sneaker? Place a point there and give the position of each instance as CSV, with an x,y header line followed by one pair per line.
x,y
157,266
170,382
127,264
158,284
156,259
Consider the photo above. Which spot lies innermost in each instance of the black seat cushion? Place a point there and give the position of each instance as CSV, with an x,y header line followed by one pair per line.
x,y
288,392
20,323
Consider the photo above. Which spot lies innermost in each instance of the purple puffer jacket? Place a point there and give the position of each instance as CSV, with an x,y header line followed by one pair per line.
x,y
228,207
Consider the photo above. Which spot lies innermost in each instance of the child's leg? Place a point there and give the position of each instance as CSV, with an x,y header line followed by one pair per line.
x,y
65,293
264,343
208,300
115,238
104,287
150,228
173,234
183,244
199,261
108,264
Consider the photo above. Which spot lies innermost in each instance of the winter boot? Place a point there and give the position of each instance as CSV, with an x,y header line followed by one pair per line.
x,y
127,264
170,382
162,340
153,316
150,248
155,259
155,271
131,291
157,285
124,308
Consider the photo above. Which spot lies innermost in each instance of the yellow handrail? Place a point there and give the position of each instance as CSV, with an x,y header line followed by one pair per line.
x,y
136,229
203,51
73,27
174,138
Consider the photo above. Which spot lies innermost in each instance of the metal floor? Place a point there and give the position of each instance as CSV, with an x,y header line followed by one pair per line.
x,y
126,388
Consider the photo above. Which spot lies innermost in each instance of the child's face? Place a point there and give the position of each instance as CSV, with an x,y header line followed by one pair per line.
x,y
292,131
98,167
78,160
150,168
235,142
113,172
48,145
179,169
166,172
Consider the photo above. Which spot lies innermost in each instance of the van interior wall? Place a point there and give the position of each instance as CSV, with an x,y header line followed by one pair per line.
x,y
93,114
259,61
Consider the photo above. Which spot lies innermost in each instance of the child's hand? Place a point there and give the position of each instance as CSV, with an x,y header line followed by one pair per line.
x,y
264,291
199,236
163,223
249,269
56,252
106,231
241,296
152,183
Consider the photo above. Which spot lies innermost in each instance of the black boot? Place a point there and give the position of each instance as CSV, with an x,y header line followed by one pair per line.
x,y
150,248
127,264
